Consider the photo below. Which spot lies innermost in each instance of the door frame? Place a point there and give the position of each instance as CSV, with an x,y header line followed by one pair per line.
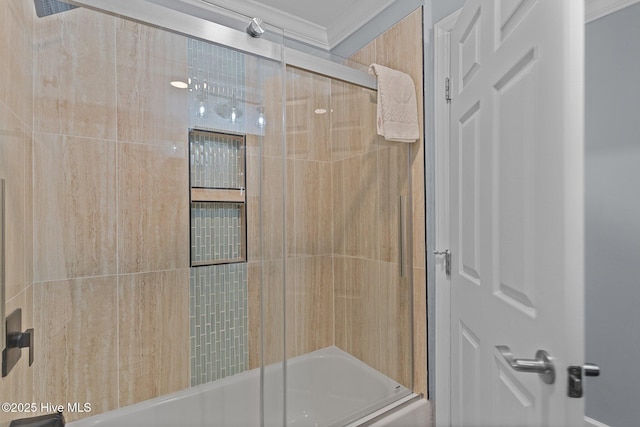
x,y
594,9
442,31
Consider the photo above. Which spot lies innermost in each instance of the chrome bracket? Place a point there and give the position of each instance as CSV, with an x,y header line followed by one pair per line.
x,y
447,260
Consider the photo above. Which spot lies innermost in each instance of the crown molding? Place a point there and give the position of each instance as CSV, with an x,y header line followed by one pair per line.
x,y
355,18
302,30
595,9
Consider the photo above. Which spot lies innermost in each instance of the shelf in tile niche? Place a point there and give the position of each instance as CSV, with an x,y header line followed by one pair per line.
x,y
217,160
218,233
217,195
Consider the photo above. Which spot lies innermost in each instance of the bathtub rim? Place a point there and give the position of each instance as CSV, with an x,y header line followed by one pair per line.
x,y
374,410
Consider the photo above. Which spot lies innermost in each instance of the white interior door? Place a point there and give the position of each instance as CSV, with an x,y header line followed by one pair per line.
x,y
516,204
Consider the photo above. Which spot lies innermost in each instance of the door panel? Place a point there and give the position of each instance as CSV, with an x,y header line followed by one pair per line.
x,y
468,195
515,103
470,50
470,367
516,209
515,395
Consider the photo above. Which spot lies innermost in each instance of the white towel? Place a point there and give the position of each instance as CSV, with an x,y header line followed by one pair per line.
x,y
397,106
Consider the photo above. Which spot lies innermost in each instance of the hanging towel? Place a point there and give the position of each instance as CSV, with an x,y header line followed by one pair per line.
x,y
397,106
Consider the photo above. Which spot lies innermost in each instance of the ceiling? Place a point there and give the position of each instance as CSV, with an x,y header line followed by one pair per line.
x,y
320,23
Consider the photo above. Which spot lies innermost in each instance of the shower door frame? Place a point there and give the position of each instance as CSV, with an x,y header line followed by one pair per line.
x,y
174,20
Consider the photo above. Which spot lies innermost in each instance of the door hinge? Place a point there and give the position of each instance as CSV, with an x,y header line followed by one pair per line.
x,y
447,90
447,260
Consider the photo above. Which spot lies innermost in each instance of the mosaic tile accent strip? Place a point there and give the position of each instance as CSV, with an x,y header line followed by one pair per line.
x,y
218,293
217,160
217,82
216,231
218,322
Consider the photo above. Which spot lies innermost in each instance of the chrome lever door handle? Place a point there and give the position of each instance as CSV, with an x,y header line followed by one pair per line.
x,y
541,365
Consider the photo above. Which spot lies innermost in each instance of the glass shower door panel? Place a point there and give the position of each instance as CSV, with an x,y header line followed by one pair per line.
x,y
265,246
240,95
348,284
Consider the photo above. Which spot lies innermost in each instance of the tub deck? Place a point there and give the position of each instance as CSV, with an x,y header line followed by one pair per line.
x,y
324,388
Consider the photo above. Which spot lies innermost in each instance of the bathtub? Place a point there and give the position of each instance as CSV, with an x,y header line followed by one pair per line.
x,y
323,388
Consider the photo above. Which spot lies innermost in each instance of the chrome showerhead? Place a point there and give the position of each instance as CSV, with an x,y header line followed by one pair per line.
x,y
49,7
255,28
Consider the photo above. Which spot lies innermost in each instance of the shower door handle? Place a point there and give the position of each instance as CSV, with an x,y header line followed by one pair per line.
x,y
541,365
401,248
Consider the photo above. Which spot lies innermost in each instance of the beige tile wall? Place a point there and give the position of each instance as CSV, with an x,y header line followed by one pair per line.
x,y
399,48
110,209
369,174
153,315
75,190
372,300
16,124
75,85
76,340
306,174
153,207
343,184
150,111
265,225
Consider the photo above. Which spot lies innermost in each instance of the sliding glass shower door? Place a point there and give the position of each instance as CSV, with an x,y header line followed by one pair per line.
x,y
348,262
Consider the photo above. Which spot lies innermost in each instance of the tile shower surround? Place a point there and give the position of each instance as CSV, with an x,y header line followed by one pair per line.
x,y
16,148
360,254
152,116
111,273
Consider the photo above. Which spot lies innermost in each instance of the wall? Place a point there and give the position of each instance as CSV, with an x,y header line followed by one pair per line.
x,y
434,11
397,48
612,212
16,112
341,280
303,262
108,196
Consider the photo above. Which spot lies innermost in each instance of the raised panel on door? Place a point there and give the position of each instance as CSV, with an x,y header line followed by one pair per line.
x,y
469,195
469,52
469,377
510,14
514,111
509,391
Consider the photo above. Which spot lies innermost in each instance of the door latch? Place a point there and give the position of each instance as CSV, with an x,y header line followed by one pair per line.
x,y
576,388
447,260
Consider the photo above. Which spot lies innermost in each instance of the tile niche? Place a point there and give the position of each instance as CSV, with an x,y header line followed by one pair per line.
x,y
218,197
